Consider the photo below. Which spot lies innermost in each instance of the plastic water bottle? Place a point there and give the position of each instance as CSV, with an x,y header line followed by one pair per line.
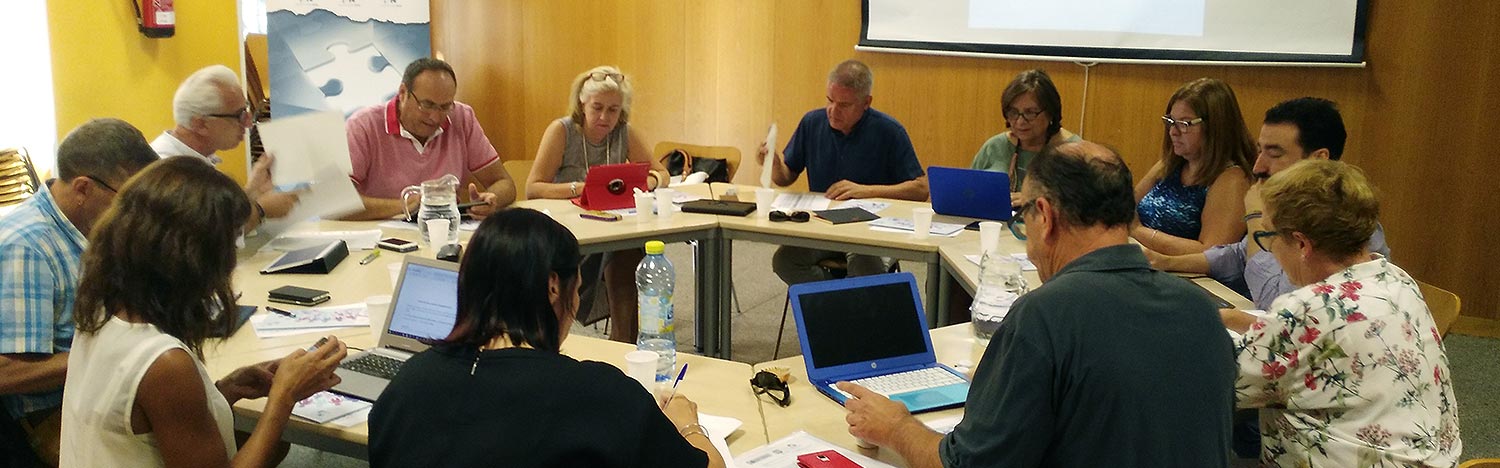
x,y
654,281
1000,284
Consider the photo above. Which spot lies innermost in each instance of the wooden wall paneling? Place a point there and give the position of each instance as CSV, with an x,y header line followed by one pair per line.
x,y
716,72
649,47
483,44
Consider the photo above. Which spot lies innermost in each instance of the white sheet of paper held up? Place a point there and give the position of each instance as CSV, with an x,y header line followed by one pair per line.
x,y
765,168
303,144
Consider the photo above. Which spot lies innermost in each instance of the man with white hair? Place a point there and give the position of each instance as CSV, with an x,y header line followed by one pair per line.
x,y
212,115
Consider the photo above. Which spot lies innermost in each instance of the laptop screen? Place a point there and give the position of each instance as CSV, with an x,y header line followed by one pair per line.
x,y
427,304
862,324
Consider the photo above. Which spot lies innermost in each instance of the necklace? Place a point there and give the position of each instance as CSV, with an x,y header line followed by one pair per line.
x,y
585,139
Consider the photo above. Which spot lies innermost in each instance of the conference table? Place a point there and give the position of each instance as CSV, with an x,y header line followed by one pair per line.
x,y
718,386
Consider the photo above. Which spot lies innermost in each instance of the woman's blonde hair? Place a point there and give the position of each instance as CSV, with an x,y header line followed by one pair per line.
x,y
1226,142
584,88
1330,202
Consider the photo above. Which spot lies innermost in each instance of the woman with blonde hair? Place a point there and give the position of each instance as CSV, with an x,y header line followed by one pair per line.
x,y
1193,198
1349,369
596,131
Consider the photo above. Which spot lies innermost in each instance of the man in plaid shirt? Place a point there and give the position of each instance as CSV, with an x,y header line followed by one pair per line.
x,y
41,246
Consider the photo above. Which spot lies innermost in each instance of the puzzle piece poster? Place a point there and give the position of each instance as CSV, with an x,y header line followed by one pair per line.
x,y
341,55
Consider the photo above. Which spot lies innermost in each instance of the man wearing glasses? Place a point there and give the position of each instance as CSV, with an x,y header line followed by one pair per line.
x,y
41,247
849,151
422,134
211,114
1108,363
1294,130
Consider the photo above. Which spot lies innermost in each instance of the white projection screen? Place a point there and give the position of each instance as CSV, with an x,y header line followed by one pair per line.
x,y
1234,32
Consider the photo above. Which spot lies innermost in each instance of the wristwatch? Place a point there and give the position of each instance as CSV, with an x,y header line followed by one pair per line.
x,y
573,187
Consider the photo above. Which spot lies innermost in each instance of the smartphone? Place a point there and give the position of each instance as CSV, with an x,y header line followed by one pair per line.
x,y
396,244
599,215
825,459
463,208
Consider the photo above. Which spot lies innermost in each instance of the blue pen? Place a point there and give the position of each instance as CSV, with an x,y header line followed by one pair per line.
x,y
674,384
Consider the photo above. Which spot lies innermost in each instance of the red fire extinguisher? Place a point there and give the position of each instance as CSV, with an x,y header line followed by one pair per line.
x,y
156,19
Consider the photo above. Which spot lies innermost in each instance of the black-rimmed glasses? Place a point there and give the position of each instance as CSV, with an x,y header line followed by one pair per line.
x,y
1262,239
102,183
1026,116
768,383
430,106
1180,125
244,115
600,76
1017,223
795,216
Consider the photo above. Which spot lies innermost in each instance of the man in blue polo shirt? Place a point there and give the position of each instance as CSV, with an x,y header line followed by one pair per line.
x,y
849,151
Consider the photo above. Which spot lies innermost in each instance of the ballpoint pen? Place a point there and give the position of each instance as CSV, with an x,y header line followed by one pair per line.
x,y
680,374
280,312
371,257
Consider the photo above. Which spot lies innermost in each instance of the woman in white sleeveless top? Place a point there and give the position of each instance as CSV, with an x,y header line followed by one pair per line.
x,y
156,271
596,131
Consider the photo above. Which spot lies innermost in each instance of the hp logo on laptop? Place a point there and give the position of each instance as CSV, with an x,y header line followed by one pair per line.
x,y
874,365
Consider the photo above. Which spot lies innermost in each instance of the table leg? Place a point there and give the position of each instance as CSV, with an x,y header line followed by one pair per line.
x,y
712,286
935,293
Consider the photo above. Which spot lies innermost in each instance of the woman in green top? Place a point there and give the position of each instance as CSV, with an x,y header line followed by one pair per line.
x,y
1033,113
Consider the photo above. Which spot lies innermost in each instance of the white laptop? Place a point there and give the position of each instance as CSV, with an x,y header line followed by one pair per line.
x,y
423,308
870,330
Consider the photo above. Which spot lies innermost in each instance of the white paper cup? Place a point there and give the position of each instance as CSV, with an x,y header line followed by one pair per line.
x,y
641,366
664,205
437,232
395,269
644,204
378,308
763,199
989,236
921,219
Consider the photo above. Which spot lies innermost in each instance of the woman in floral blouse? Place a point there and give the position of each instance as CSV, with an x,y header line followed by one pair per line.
x,y
1348,370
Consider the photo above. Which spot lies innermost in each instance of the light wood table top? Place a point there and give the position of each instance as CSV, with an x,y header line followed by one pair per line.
x,y
719,387
822,417
848,236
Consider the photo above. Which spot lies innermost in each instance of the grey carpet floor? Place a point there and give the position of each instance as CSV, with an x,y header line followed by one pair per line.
x,y
760,296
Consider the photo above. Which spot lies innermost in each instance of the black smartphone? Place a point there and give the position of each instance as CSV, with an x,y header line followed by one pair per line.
x,y
974,226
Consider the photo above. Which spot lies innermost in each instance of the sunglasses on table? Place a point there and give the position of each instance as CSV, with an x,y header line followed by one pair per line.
x,y
766,382
795,216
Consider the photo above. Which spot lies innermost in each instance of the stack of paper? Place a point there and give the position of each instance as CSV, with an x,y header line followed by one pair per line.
x,y
783,453
324,407
313,319
906,225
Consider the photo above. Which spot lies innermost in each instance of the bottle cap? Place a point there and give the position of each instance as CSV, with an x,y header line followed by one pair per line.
x,y
655,247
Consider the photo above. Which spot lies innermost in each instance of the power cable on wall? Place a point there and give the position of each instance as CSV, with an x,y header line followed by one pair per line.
x,y
1084,105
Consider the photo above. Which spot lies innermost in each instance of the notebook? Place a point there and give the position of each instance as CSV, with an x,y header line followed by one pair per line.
x,y
885,348
423,308
851,214
611,186
970,193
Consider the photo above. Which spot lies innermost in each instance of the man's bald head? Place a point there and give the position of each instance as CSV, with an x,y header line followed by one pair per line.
x,y
1088,183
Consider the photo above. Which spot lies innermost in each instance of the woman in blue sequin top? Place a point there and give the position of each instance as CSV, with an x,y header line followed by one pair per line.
x,y
1193,198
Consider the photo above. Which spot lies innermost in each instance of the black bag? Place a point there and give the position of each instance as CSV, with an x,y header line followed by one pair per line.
x,y
680,163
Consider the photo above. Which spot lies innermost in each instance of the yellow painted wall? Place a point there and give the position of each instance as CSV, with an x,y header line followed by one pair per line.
x,y
103,67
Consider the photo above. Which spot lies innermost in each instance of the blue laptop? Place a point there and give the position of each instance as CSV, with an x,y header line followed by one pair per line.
x,y
970,193
870,330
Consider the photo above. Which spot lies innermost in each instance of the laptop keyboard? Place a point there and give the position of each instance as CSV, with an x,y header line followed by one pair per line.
x,y
374,364
902,382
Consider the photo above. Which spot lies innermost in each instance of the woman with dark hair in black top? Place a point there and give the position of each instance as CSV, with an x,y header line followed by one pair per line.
x,y
498,392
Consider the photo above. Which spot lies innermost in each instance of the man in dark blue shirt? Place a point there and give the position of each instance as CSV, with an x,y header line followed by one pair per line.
x,y
1108,363
849,151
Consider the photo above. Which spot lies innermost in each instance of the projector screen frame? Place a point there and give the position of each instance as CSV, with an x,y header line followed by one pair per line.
x,y
1355,58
